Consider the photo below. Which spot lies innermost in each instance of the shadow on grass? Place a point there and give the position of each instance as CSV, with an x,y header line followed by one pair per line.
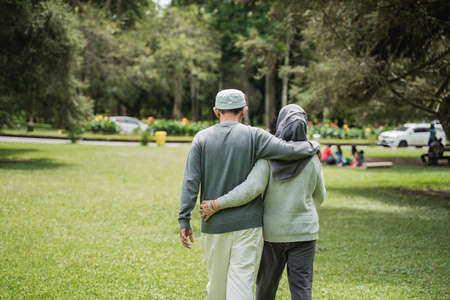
x,y
5,153
29,164
398,196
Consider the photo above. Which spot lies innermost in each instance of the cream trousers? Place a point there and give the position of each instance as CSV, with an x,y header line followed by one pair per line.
x,y
232,260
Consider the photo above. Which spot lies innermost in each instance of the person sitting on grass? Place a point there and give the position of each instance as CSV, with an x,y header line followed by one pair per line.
x,y
327,155
358,159
339,159
434,151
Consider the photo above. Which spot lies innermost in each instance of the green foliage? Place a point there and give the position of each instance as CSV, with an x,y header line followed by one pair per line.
x,y
39,59
346,132
175,127
354,60
101,124
145,138
376,58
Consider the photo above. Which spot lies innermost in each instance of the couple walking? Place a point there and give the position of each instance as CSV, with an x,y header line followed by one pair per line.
x,y
228,161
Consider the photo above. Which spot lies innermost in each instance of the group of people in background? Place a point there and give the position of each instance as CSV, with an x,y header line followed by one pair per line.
x,y
357,159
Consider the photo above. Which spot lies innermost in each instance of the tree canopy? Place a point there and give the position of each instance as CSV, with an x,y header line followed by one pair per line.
x,y
364,62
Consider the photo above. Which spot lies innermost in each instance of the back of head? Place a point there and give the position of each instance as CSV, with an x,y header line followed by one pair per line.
x,y
292,123
230,100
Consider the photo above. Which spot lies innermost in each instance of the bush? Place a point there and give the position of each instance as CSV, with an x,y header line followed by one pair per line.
x,y
145,138
103,124
346,132
175,127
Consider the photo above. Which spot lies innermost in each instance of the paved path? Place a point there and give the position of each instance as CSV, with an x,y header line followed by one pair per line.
x,y
82,142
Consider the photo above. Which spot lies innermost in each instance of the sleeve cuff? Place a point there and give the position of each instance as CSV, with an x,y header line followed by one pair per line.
x,y
185,224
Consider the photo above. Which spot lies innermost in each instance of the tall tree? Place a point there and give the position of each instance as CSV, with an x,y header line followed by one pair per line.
x,y
187,52
39,59
371,53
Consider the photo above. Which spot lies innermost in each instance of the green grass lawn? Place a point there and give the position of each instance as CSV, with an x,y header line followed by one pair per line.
x,y
96,222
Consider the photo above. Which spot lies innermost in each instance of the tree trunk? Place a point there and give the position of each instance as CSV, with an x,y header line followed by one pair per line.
x,y
87,67
119,10
446,126
443,109
178,90
267,102
270,100
442,114
220,81
77,3
284,95
30,124
107,7
194,98
246,119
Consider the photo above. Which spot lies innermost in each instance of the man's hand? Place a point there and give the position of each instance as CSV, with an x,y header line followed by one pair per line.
x,y
186,235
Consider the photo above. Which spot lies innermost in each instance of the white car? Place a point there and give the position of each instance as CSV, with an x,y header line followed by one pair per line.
x,y
129,124
410,134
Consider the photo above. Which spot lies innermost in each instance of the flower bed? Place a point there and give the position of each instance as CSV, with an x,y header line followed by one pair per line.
x,y
331,130
102,124
175,127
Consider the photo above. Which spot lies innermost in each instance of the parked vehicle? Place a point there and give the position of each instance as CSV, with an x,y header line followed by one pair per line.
x,y
129,124
410,134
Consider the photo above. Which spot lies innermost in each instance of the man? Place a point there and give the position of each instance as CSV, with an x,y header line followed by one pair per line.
x,y
220,159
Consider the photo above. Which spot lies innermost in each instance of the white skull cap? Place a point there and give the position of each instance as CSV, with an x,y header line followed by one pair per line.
x,y
230,99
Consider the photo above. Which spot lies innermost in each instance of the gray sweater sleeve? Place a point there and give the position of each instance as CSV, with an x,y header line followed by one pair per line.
x,y
270,147
190,186
319,192
248,190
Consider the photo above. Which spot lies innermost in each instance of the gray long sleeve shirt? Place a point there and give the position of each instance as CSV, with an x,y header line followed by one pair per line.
x,y
220,159
290,213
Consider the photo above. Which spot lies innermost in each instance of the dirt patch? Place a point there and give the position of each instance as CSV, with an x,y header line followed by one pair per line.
x,y
437,194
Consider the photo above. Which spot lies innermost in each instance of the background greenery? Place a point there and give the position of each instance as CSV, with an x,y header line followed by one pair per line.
x,y
100,222
354,62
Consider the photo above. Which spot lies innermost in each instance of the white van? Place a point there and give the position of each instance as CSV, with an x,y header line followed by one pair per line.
x,y
129,124
410,134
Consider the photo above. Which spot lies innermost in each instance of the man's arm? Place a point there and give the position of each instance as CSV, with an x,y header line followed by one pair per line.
x,y
248,190
269,147
189,192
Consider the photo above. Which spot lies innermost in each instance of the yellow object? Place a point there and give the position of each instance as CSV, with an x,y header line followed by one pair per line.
x,y
160,137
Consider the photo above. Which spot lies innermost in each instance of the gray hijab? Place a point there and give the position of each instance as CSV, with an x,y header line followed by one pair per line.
x,y
291,126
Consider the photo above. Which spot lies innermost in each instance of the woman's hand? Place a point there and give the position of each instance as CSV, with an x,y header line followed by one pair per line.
x,y
205,211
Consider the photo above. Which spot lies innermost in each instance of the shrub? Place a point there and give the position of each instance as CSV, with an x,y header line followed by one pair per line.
x,y
175,127
145,138
103,124
346,132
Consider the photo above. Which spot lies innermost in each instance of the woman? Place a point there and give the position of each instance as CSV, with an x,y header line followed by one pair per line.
x,y
291,223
